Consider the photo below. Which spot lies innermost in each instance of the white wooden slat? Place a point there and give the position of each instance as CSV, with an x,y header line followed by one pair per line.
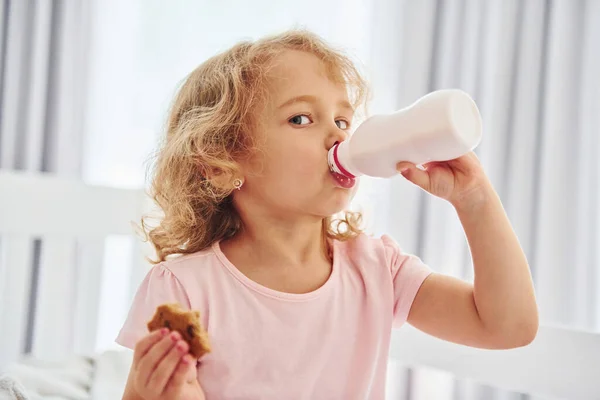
x,y
90,256
140,266
53,327
15,280
43,204
142,251
114,293
124,271
423,389
560,363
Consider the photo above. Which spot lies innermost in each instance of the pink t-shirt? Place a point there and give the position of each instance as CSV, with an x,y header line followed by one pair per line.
x,y
331,343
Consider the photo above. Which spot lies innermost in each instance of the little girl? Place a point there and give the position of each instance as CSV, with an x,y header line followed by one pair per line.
x,y
299,304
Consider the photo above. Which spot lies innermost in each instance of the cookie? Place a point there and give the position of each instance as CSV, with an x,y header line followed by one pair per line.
x,y
187,323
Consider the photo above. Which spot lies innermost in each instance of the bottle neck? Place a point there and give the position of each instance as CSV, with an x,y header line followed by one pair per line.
x,y
339,160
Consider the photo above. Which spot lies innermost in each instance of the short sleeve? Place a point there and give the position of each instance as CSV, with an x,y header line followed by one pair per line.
x,y
408,274
160,286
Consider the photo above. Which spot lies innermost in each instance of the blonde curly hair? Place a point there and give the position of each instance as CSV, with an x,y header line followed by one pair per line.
x,y
208,131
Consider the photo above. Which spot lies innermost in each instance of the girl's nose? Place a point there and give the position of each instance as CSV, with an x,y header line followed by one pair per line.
x,y
334,136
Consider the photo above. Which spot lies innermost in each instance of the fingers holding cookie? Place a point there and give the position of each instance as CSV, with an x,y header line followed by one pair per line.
x,y
145,344
159,360
167,366
149,363
187,323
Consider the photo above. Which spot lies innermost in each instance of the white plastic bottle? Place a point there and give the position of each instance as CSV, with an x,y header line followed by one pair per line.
x,y
440,126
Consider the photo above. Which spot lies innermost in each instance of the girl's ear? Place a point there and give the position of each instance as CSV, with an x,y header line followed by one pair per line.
x,y
220,179
223,179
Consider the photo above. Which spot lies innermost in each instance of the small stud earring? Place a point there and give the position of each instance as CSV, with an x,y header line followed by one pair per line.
x,y
237,183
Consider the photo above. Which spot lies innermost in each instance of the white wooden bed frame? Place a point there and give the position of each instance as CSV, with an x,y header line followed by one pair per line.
x,y
72,220
560,363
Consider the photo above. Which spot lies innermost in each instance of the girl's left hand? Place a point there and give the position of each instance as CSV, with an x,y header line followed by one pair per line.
x,y
461,181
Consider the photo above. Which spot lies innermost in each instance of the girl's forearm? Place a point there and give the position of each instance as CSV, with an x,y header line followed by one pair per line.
x,y
503,287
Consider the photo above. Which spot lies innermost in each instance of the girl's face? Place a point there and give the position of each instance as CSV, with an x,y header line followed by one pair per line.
x,y
304,115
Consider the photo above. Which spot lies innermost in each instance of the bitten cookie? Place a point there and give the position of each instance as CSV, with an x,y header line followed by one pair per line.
x,y
187,323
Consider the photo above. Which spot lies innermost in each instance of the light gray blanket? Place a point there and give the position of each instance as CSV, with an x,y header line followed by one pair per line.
x,y
101,377
11,389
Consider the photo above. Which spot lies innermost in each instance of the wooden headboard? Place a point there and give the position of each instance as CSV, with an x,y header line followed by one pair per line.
x,y
53,272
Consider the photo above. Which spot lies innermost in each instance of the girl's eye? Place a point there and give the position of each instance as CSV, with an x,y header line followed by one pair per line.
x,y
342,124
300,120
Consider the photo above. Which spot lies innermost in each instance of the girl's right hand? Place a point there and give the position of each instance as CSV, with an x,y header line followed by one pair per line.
x,y
163,369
